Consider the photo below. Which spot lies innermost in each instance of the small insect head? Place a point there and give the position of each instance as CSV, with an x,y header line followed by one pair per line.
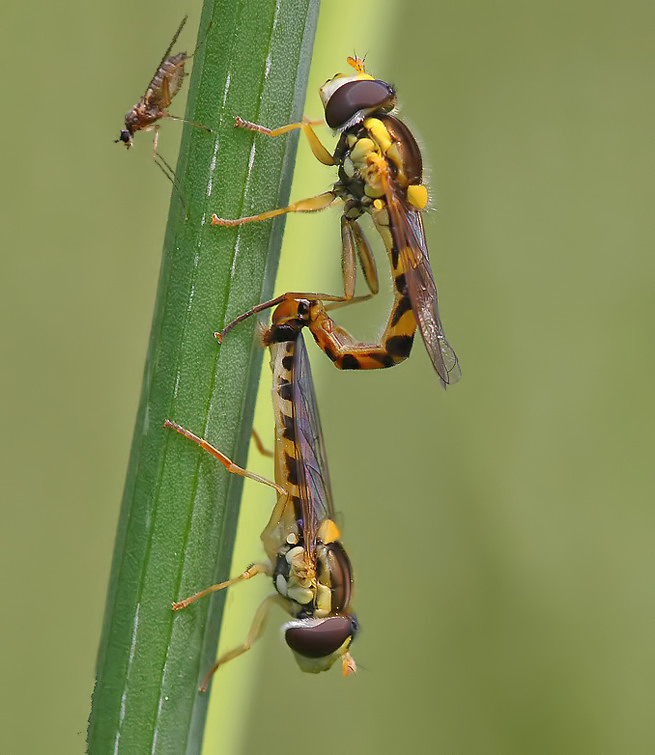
x,y
348,99
125,137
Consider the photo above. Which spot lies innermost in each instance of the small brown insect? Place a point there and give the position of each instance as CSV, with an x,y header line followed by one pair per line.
x,y
165,84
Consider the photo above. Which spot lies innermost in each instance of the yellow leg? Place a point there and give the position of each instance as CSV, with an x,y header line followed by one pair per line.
x,y
315,144
354,242
227,463
313,204
289,296
254,632
250,572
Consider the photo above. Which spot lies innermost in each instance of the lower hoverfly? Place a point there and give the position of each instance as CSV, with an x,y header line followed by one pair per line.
x,y
380,173
310,569
151,107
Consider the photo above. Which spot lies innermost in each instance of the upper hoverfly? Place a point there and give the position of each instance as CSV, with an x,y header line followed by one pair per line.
x,y
151,107
380,173
310,569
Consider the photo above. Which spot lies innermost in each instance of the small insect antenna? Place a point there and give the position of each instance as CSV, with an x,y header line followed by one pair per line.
x,y
170,175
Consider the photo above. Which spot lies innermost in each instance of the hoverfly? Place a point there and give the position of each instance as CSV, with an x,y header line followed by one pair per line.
x,y
310,569
151,107
380,173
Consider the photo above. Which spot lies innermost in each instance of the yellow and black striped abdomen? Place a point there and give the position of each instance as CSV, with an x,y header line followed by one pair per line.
x,y
286,460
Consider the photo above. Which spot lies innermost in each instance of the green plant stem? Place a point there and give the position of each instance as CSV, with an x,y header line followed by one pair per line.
x,y
179,511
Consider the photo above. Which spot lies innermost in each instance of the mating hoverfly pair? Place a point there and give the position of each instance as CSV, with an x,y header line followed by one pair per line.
x,y
379,174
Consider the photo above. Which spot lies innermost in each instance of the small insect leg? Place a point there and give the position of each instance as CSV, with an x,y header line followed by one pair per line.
x,y
191,123
155,141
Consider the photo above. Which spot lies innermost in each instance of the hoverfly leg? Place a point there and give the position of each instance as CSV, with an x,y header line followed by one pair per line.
x,y
253,634
259,445
354,243
225,461
348,267
344,302
366,259
315,144
312,204
240,122
249,573
289,296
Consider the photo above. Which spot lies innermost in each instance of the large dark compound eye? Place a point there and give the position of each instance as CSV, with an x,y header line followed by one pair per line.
x,y
355,97
341,576
321,640
125,136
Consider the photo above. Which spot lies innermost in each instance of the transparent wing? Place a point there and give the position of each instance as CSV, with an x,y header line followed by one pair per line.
x,y
314,482
409,237
167,82
169,75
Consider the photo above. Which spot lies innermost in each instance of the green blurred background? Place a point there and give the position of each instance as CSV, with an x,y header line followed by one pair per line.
x,y
501,532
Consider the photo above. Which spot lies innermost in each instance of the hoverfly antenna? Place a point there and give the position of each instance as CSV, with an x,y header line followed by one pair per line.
x,y
357,63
